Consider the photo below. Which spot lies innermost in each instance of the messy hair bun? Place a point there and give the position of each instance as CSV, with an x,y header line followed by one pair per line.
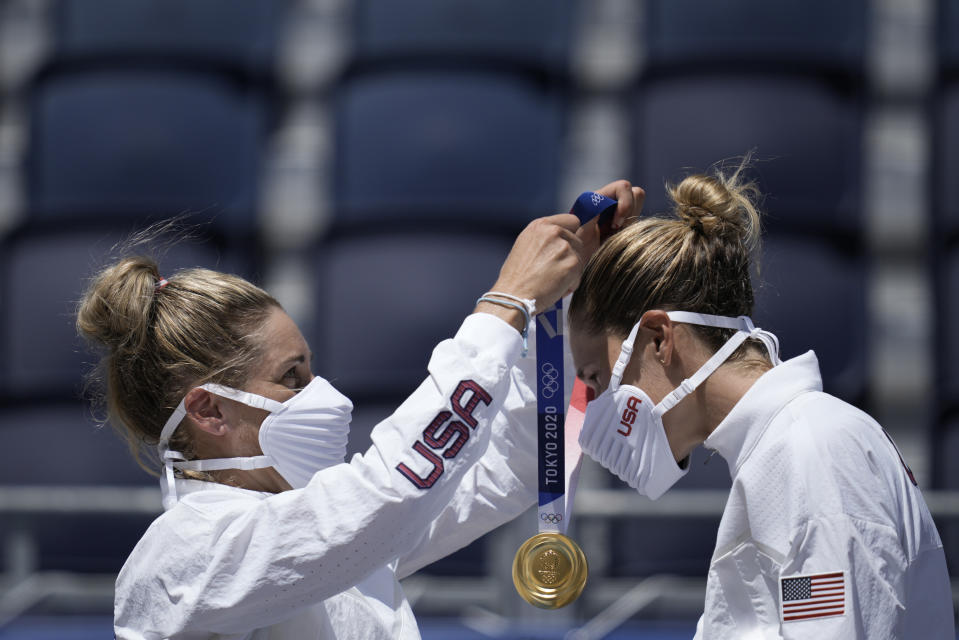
x,y
700,260
115,312
719,206
160,338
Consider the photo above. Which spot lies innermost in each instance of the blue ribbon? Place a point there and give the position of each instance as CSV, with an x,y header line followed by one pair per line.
x,y
551,381
589,205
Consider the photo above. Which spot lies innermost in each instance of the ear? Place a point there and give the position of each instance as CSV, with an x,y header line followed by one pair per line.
x,y
203,408
657,322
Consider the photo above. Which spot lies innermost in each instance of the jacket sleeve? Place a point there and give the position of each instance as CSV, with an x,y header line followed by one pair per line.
x,y
498,488
504,483
227,567
876,572
860,563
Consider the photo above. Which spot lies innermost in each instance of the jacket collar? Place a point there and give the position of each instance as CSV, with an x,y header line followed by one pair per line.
x,y
187,486
737,435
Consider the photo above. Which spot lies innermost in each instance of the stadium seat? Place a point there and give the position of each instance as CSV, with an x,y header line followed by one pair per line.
x,y
385,300
806,136
138,143
946,477
947,22
59,444
813,296
946,347
944,265
535,34
43,274
790,35
221,33
464,149
946,193
683,546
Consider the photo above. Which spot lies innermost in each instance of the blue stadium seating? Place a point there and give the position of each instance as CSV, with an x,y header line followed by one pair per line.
x,y
947,342
790,35
43,273
454,148
807,138
813,296
384,300
534,33
59,444
240,35
947,22
944,262
683,546
944,274
136,143
945,348
946,189
944,449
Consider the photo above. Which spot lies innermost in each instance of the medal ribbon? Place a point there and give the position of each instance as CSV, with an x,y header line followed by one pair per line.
x,y
558,430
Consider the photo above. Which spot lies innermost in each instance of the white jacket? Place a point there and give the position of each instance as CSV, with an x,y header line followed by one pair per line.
x,y
324,561
821,501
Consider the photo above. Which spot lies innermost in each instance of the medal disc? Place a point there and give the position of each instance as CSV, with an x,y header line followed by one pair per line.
x,y
549,570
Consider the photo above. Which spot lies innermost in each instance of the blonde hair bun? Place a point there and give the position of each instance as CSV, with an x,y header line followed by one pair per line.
x,y
719,206
115,312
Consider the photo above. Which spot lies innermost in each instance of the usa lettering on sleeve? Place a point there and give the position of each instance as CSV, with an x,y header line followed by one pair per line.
x,y
443,438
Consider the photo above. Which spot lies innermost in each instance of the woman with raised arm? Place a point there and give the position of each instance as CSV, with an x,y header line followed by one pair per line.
x,y
267,531
825,533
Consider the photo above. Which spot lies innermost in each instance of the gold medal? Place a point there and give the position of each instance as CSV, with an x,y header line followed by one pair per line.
x,y
549,570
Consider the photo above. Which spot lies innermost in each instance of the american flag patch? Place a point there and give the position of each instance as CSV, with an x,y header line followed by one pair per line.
x,y
817,596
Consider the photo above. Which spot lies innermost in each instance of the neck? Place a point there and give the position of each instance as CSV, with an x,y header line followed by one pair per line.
x,y
709,405
267,480
729,384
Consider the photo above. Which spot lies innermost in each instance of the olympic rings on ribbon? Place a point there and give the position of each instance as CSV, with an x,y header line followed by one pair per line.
x,y
549,381
552,518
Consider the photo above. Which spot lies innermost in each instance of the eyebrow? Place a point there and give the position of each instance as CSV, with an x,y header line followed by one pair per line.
x,y
297,359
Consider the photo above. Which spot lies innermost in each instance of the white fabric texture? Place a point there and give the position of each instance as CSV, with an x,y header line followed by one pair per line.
x,y
819,488
324,561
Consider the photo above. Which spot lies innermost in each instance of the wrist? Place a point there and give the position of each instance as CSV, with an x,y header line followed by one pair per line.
x,y
512,317
525,308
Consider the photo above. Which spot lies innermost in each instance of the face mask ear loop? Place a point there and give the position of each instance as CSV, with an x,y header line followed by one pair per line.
x,y
170,497
244,397
625,354
689,384
166,456
247,463
771,342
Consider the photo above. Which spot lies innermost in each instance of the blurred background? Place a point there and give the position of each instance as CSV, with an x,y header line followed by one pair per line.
x,y
370,162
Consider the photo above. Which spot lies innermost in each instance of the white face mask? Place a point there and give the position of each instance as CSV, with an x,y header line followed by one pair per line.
x,y
624,431
301,436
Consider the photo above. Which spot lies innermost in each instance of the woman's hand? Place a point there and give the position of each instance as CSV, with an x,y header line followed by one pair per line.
x,y
630,201
545,262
